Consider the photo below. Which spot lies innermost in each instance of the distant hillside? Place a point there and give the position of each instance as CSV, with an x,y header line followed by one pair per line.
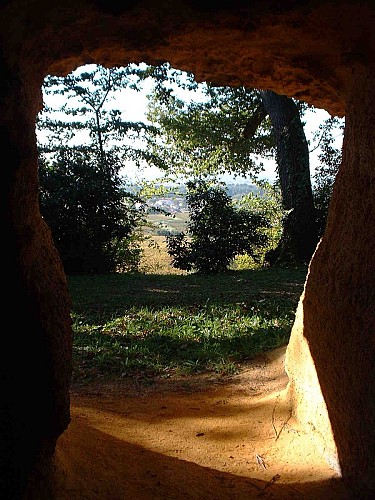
x,y
233,190
238,190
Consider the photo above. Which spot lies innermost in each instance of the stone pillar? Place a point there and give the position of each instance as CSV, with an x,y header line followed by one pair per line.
x,y
330,359
36,329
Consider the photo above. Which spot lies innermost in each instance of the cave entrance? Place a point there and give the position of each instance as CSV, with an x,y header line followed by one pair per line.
x,y
307,51
238,303
232,424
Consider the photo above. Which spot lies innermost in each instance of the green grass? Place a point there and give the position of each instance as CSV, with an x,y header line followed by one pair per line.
x,y
159,325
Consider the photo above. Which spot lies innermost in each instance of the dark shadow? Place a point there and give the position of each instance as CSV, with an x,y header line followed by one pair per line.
x,y
117,292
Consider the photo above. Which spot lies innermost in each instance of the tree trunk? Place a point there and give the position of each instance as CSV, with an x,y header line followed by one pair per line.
x,y
300,235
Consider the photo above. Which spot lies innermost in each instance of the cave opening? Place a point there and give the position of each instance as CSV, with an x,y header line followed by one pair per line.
x,y
307,51
101,403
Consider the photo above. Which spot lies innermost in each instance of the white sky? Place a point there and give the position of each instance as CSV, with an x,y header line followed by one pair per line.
x,y
133,105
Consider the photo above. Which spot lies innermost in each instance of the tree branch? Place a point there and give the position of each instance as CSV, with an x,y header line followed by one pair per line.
x,y
254,122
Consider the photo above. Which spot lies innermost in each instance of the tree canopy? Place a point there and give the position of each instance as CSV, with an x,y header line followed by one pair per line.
x,y
87,117
209,134
83,195
330,157
227,131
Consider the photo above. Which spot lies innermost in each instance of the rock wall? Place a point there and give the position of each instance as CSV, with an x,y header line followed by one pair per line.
x,y
321,52
36,344
332,344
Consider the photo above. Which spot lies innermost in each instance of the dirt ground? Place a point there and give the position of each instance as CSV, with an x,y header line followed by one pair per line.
x,y
201,437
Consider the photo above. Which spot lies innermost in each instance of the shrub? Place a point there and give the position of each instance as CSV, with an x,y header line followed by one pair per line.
x,y
268,203
92,218
217,231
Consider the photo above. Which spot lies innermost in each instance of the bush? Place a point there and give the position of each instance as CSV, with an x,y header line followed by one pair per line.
x,y
268,203
92,218
217,231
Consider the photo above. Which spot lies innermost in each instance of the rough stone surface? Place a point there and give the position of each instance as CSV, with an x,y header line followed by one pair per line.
x,y
321,52
336,318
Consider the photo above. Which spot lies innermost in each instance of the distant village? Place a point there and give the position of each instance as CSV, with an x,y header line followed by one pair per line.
x,y
172,204
176,202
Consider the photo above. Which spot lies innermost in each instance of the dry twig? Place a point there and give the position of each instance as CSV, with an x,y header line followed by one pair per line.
x,y
277,434
260,461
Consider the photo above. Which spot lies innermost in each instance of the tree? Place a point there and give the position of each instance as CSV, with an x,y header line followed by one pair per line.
x,y
300,232
217,231
225,131
267,202
207,133
83,197
93,223
81,115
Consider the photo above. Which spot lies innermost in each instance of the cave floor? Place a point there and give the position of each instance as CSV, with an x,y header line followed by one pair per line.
x,y
193,437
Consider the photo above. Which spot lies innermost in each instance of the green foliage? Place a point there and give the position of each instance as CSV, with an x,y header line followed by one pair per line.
x,y
217,231
226,130
147,325
205,134
79,114
92,219
208,133
267,203
325,174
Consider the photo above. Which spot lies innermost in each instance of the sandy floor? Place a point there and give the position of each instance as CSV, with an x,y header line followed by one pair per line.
x,y
205,437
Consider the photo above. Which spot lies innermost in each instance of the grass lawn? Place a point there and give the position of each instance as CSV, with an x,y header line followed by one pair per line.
x,y
158,325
